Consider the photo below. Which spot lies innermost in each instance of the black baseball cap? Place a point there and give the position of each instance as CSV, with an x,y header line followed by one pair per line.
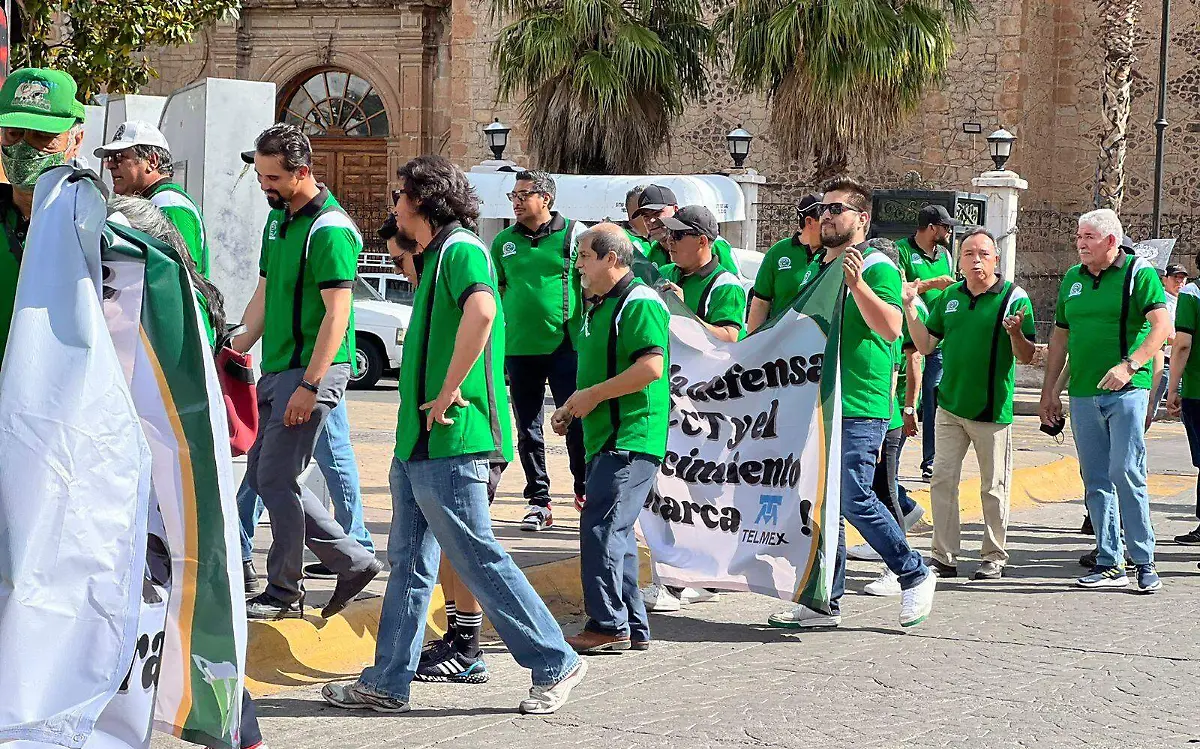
x,y
935,214
656,198
809,205
1175,269
693,218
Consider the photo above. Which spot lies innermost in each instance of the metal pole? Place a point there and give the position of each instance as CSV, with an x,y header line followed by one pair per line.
x,y
1160,125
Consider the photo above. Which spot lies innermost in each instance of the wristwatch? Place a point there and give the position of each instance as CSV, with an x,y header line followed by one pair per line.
x,y
1132,365
309,386
910,411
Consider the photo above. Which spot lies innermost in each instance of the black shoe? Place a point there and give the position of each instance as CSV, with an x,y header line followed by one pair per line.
x,y
940,569
348,587
453,667
1191,538
319,571
436,649
267,606
927,474
250,576
1087,529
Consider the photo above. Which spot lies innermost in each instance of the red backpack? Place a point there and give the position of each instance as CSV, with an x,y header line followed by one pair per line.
x,y
236,373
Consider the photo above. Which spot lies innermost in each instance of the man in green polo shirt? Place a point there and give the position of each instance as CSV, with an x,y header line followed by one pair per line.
x,y
871,324
714,294
985,326
925,257
1111,319
635,226
658,202
1183,389
41,126
453,417
539,288
785,265
623,400
139,160
303,312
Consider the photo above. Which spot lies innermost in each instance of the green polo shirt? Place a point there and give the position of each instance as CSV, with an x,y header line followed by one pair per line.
x,y
917,265
182,211
1105,320
457,265
302,254
628,322
13,228
539,285
979,368
903,345
1187,320
713,293
721,250
782,272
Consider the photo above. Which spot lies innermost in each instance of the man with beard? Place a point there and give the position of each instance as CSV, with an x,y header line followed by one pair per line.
x,y
303,312
924,258
41,126
871,323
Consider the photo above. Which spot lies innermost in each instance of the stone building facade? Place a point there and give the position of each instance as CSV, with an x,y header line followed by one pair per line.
x,y
1031,66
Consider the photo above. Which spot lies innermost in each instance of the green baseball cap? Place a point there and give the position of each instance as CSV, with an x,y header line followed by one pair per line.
x,y
40,99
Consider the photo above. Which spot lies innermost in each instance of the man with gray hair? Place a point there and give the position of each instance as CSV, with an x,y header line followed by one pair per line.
x,y
623,401
539,289
139,160
635,226
1111,318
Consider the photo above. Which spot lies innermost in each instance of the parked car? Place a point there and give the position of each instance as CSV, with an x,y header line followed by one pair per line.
x,y
379,329
391,286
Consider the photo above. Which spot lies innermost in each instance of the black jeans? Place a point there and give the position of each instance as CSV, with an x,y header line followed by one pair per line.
x,y
886,483
527,378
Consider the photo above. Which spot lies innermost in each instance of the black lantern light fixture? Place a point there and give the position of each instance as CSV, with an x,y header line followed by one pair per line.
x,y
497,136
738,142
1000,146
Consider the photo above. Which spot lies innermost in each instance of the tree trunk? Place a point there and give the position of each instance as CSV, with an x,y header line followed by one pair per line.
x,y
831,161
1118,20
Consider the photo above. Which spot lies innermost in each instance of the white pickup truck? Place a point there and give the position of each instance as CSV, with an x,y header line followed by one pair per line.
x,y
379,329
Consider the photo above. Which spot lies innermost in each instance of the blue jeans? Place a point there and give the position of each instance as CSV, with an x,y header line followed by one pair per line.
x,y
861,440
1112,463
932,377
618,484
445,501
335,458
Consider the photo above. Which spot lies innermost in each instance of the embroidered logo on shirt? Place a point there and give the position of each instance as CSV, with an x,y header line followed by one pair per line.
x,y
917,259
273,232
509,249
951,306
1076,290
807,275
785,263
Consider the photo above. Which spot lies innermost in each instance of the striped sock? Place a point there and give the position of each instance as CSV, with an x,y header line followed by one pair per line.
x,y
467,640
451,620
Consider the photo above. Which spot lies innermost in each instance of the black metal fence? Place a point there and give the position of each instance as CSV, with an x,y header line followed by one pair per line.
x,y
369,217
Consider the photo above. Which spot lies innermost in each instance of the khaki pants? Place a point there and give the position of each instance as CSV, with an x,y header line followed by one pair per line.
x,y
993,449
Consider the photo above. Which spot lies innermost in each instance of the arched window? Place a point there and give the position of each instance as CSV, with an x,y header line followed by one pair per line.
x,y
336,103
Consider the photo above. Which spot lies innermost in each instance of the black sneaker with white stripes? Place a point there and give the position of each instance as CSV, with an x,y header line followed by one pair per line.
x,y
453,667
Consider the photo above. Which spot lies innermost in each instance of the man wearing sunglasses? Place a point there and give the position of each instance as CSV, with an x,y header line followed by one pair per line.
x,y
714,294
539,288
139,161
871,323
784,267
925,258
657,203
41,126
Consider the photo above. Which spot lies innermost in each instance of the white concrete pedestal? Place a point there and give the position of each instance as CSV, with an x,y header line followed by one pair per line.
x,y
1003,191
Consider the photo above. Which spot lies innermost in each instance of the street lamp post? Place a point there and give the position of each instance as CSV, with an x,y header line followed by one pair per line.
x,y
497,136
1160,125
1000,147
738,143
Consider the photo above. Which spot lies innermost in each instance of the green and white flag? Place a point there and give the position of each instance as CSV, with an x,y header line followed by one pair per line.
x,y
748,495
110,400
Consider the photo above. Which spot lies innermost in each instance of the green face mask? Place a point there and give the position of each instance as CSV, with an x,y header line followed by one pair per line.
x,y
23,164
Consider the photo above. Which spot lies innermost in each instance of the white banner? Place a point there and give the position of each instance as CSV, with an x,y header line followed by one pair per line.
x,y
748,487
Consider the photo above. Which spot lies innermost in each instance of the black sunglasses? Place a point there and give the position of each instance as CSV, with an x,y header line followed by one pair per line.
x,y
835,209
678,234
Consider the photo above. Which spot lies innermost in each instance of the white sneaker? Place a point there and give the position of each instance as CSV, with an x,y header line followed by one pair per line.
x,y
546,700
916,603
863,553
537,518
886,584
660,598
697,595
913,517
802,617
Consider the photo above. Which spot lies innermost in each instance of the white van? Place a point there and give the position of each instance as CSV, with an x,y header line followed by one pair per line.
x,y
379,329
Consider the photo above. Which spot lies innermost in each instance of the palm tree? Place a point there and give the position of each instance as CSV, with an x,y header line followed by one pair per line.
x,y
602,80
1118,19
840,74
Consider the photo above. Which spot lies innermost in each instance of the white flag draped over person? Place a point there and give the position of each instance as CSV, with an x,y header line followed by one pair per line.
x,y
747,497
114,440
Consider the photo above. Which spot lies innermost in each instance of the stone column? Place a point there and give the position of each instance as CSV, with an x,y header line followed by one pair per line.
x,y
749,181
1003,191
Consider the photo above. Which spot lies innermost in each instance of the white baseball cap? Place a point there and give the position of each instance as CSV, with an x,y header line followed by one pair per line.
x,y
133,133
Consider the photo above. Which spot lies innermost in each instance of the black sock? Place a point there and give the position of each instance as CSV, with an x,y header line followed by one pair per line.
x,y
451,621
467,640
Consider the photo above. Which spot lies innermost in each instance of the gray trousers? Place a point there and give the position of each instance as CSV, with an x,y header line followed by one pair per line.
x,y
274,465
